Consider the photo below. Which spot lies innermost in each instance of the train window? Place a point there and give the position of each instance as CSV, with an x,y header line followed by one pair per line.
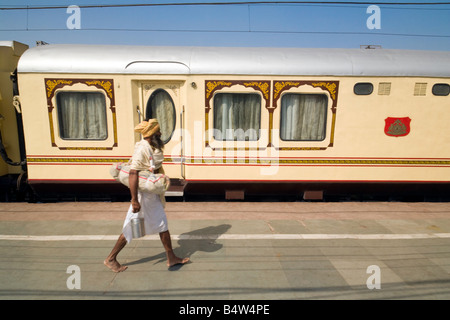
x,y
237,116
363,88
303,117
82,115
160,106
441,89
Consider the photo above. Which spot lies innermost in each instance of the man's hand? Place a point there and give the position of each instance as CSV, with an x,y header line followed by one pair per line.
x,y
135,205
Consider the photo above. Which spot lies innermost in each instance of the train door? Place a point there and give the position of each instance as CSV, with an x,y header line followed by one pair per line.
x,y
162,101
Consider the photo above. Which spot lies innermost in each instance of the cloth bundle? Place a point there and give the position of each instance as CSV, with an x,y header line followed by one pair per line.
x,y
156,183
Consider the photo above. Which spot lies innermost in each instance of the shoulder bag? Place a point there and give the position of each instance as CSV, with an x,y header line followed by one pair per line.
x,y
156,183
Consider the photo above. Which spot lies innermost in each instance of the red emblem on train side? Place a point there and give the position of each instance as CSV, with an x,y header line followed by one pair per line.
x,y
397,127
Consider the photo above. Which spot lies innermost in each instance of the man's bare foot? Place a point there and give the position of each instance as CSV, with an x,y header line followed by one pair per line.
x,y
175,260
114,265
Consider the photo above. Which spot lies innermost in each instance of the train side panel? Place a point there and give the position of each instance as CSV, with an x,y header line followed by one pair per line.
x,y
56,156
238,130
387,136
355,146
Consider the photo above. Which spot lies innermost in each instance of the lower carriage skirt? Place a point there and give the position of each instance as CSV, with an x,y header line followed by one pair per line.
x,y
243,190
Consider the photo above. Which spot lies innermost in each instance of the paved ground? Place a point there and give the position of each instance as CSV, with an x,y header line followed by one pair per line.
x,y
239,250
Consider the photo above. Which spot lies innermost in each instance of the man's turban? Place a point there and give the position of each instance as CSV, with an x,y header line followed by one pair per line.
x,y
147,128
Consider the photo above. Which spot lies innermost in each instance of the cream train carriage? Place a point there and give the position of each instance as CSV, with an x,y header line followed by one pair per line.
x,y
240,121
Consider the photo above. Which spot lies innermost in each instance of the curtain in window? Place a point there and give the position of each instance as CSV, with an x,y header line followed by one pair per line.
x,y
82,115
237,116
162,108
303,117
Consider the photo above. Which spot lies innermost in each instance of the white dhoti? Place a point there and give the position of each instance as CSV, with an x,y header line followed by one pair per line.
x,y
152,211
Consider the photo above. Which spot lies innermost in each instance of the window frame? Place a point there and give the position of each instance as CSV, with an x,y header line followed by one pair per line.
x,y
252,85
318,86
214,107
59,115
439,94
360,84
106,86
149,111
325,120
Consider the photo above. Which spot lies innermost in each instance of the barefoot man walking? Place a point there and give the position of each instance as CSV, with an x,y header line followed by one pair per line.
x,y
150,205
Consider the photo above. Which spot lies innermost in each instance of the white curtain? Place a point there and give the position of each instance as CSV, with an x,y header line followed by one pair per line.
x,y
82,115
162,108
237,116
303,117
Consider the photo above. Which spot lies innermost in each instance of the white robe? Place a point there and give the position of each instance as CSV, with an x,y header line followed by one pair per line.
x,y
152,211
152,208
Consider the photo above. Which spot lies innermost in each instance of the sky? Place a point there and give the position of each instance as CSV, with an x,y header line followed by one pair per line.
x,y
322,24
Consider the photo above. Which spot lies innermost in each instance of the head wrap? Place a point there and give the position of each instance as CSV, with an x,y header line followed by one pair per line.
x,y
147,128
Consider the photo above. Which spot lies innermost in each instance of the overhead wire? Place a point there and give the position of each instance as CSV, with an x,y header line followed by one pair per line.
x,y
221,3
247,3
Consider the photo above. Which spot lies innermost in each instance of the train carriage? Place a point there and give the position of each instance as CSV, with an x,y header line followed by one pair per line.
x,y
240,121
13,157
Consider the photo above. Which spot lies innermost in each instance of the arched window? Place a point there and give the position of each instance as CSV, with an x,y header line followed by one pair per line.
x,y
160,106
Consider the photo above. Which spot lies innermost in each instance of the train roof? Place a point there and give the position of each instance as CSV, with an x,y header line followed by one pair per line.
x,y
17,47
109,59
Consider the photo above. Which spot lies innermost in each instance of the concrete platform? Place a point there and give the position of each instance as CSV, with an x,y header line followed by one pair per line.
x,y
239,251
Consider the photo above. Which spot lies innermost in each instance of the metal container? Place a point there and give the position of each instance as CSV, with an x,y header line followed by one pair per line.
x,y
137,227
